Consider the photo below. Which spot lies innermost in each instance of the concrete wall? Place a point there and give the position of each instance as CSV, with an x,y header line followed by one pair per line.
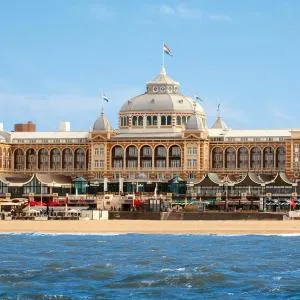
x,y
124,215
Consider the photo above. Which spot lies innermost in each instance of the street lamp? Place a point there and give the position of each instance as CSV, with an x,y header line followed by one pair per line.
x,y
226,195
263,187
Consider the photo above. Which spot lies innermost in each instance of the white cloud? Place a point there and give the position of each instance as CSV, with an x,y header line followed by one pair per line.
x,y
184,12
49,110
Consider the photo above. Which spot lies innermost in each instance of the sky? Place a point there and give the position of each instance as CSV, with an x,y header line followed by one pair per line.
x,y
58,56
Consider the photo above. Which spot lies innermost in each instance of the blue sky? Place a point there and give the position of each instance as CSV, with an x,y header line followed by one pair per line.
x,y
57,56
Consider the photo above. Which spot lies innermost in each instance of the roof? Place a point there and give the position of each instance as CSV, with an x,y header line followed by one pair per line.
x,y
18,180
195,123
249,133
250,179
163,78
53,179
102,124
280,180
210,179
219,124
162,103
148,135
50,135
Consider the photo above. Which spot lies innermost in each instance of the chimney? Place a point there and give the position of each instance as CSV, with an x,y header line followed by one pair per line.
x,y
25,127
65,127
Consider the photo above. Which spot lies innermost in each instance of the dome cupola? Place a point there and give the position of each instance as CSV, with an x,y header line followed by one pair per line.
x,y
102,124
195,122
220,124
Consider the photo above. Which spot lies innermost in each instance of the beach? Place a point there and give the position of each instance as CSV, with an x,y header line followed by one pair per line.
x,y
153,227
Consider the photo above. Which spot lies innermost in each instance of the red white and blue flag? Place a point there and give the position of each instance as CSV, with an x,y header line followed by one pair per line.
x,y
105,98
167,50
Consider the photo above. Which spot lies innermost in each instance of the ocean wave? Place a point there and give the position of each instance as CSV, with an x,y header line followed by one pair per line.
x,y
63,233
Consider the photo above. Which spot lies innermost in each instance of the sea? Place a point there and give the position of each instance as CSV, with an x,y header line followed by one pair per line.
x,y
137,266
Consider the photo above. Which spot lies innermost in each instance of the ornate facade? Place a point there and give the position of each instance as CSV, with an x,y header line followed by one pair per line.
x,y
161,134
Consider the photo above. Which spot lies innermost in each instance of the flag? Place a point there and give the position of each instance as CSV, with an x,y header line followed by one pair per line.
x,y
105,98
167,50
198,98
293,203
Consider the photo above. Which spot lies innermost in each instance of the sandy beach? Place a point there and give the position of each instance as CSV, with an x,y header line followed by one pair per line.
x,y
150,227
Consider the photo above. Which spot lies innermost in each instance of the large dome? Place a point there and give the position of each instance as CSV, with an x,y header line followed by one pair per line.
x,y
162,95
161,103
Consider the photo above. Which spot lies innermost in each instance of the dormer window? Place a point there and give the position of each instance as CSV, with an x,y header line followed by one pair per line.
x,y
162,88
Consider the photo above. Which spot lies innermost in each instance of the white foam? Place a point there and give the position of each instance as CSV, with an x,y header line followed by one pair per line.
x,y
59,233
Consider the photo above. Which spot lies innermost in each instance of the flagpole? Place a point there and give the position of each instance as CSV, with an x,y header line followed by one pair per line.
x,y
163,56
102,106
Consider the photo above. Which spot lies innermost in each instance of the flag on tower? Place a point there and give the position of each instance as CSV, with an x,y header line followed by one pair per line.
x,y
167,50
105,98
198,98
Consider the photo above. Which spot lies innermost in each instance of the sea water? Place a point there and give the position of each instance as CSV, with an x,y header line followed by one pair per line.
x,y
134,266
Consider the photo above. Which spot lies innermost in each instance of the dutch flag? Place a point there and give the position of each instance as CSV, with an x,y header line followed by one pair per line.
x,y
105,98
167,50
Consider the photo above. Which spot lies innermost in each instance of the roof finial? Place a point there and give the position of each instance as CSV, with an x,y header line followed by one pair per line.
x,y
163,70
218,111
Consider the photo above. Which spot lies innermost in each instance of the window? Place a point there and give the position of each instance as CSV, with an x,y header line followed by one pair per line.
x,y
132,164
192,163
160,163
178,120
99,163
169,120
192,151
134,120
175,163
146,164
140,121
163,120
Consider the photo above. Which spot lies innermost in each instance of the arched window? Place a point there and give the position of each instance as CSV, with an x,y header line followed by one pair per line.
x,y
243,158
163,120
55,159
184,120
79,159
19,159
132,157
268,158
178,120
146,157
67,159
230,159
149,120
169,120
30,159
117,157
255,158
134,121
154,121
174,157
141,121
217,158
43,159
160,157
280,158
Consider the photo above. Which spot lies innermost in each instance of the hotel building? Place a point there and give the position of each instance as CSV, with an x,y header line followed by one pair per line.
x,y
161,134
